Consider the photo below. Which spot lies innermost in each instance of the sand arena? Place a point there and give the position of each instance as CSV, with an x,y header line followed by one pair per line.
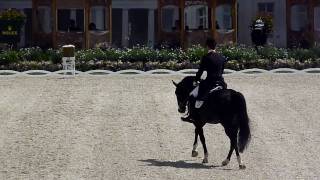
x,y
128,128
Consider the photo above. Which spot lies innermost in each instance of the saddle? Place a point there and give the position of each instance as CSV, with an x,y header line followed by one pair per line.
x,y
198,103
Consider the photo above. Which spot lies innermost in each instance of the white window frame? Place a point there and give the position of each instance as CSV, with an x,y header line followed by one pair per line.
x,y
265,9
175,17
73,16
226,21
101,25
203,18
299,18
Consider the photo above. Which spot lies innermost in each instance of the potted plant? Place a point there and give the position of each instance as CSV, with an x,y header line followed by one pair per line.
x,y
261,28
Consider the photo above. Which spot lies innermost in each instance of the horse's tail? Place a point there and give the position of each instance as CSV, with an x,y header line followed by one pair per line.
x,y
244,122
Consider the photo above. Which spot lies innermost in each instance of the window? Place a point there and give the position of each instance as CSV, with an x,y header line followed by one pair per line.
x,y
299,17
266,8
317,18
203,17
224,17
196,17
170,18
98,18
71,20
43,17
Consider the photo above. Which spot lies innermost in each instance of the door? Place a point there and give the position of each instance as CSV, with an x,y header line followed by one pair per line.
x,y
138,27
117,27
28,28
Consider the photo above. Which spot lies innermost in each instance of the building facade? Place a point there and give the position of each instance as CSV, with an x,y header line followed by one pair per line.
x,y
296,22
127,23
250,9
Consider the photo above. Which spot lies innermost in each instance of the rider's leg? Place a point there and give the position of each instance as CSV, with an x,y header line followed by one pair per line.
x,y
203,88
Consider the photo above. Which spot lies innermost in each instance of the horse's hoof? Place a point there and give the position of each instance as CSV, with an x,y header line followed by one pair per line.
x,y
242,166
205,160
225,162
194,153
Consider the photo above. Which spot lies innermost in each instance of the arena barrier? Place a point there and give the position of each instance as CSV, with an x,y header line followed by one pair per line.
x,y
156,72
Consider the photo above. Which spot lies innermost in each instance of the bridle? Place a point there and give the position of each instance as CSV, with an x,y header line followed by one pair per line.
x,y
184,102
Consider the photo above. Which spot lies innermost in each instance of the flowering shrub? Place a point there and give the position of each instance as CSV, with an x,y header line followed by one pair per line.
x,y
239,52
144,58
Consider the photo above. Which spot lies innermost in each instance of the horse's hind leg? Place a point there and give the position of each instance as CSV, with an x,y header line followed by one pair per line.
x,y
227,160
233,140
232,134
241,166
195,144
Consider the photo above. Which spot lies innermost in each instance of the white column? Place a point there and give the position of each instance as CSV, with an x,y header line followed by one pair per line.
x,y
151,27
125,27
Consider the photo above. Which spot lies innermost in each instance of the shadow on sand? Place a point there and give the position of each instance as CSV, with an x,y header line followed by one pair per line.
x,y
180,164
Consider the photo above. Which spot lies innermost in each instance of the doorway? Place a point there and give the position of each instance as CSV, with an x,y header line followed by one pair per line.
x,y
117,27
138,27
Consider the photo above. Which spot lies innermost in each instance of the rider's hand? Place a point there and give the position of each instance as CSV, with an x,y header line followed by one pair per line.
x,y
195,83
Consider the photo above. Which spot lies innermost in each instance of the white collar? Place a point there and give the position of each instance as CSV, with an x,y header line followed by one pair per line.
x,y
212,51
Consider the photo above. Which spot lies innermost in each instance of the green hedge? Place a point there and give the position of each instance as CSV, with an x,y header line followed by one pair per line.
x,y
144,58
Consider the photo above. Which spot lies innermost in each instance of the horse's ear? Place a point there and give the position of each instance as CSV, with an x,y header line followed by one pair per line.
x,y
174,83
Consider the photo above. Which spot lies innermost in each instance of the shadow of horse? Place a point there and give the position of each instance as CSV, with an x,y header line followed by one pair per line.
x,y
179,164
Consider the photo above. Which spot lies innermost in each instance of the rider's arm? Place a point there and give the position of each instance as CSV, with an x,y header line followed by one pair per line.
x,y
201,69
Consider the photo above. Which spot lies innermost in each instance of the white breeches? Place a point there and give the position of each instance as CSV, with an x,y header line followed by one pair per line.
x,y
195,92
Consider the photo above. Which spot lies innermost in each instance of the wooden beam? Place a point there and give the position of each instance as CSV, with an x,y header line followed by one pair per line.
x,y
234,20
182,24
159,30
110,21
34,20
311,17
54,23
213,18
87,14
288,19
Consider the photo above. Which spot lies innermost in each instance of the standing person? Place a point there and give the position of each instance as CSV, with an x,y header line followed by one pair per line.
x,y
213,64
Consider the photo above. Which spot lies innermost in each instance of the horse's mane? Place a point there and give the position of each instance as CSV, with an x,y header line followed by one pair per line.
x,y
187,82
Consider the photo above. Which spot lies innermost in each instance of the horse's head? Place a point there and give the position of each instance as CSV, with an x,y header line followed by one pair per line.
x,y
183,90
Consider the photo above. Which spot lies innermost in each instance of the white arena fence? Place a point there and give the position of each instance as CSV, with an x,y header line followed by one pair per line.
x,y
161,72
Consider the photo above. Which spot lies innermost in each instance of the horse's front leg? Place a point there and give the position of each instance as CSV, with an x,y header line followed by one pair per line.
x,y
203,141
195,144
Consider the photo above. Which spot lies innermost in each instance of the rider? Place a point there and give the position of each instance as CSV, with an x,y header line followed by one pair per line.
x,y
213,63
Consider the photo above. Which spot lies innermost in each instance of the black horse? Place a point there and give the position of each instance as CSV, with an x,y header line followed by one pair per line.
x,y
226,107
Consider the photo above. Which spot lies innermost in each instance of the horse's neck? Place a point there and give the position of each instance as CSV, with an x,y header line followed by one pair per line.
x,y
188,83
